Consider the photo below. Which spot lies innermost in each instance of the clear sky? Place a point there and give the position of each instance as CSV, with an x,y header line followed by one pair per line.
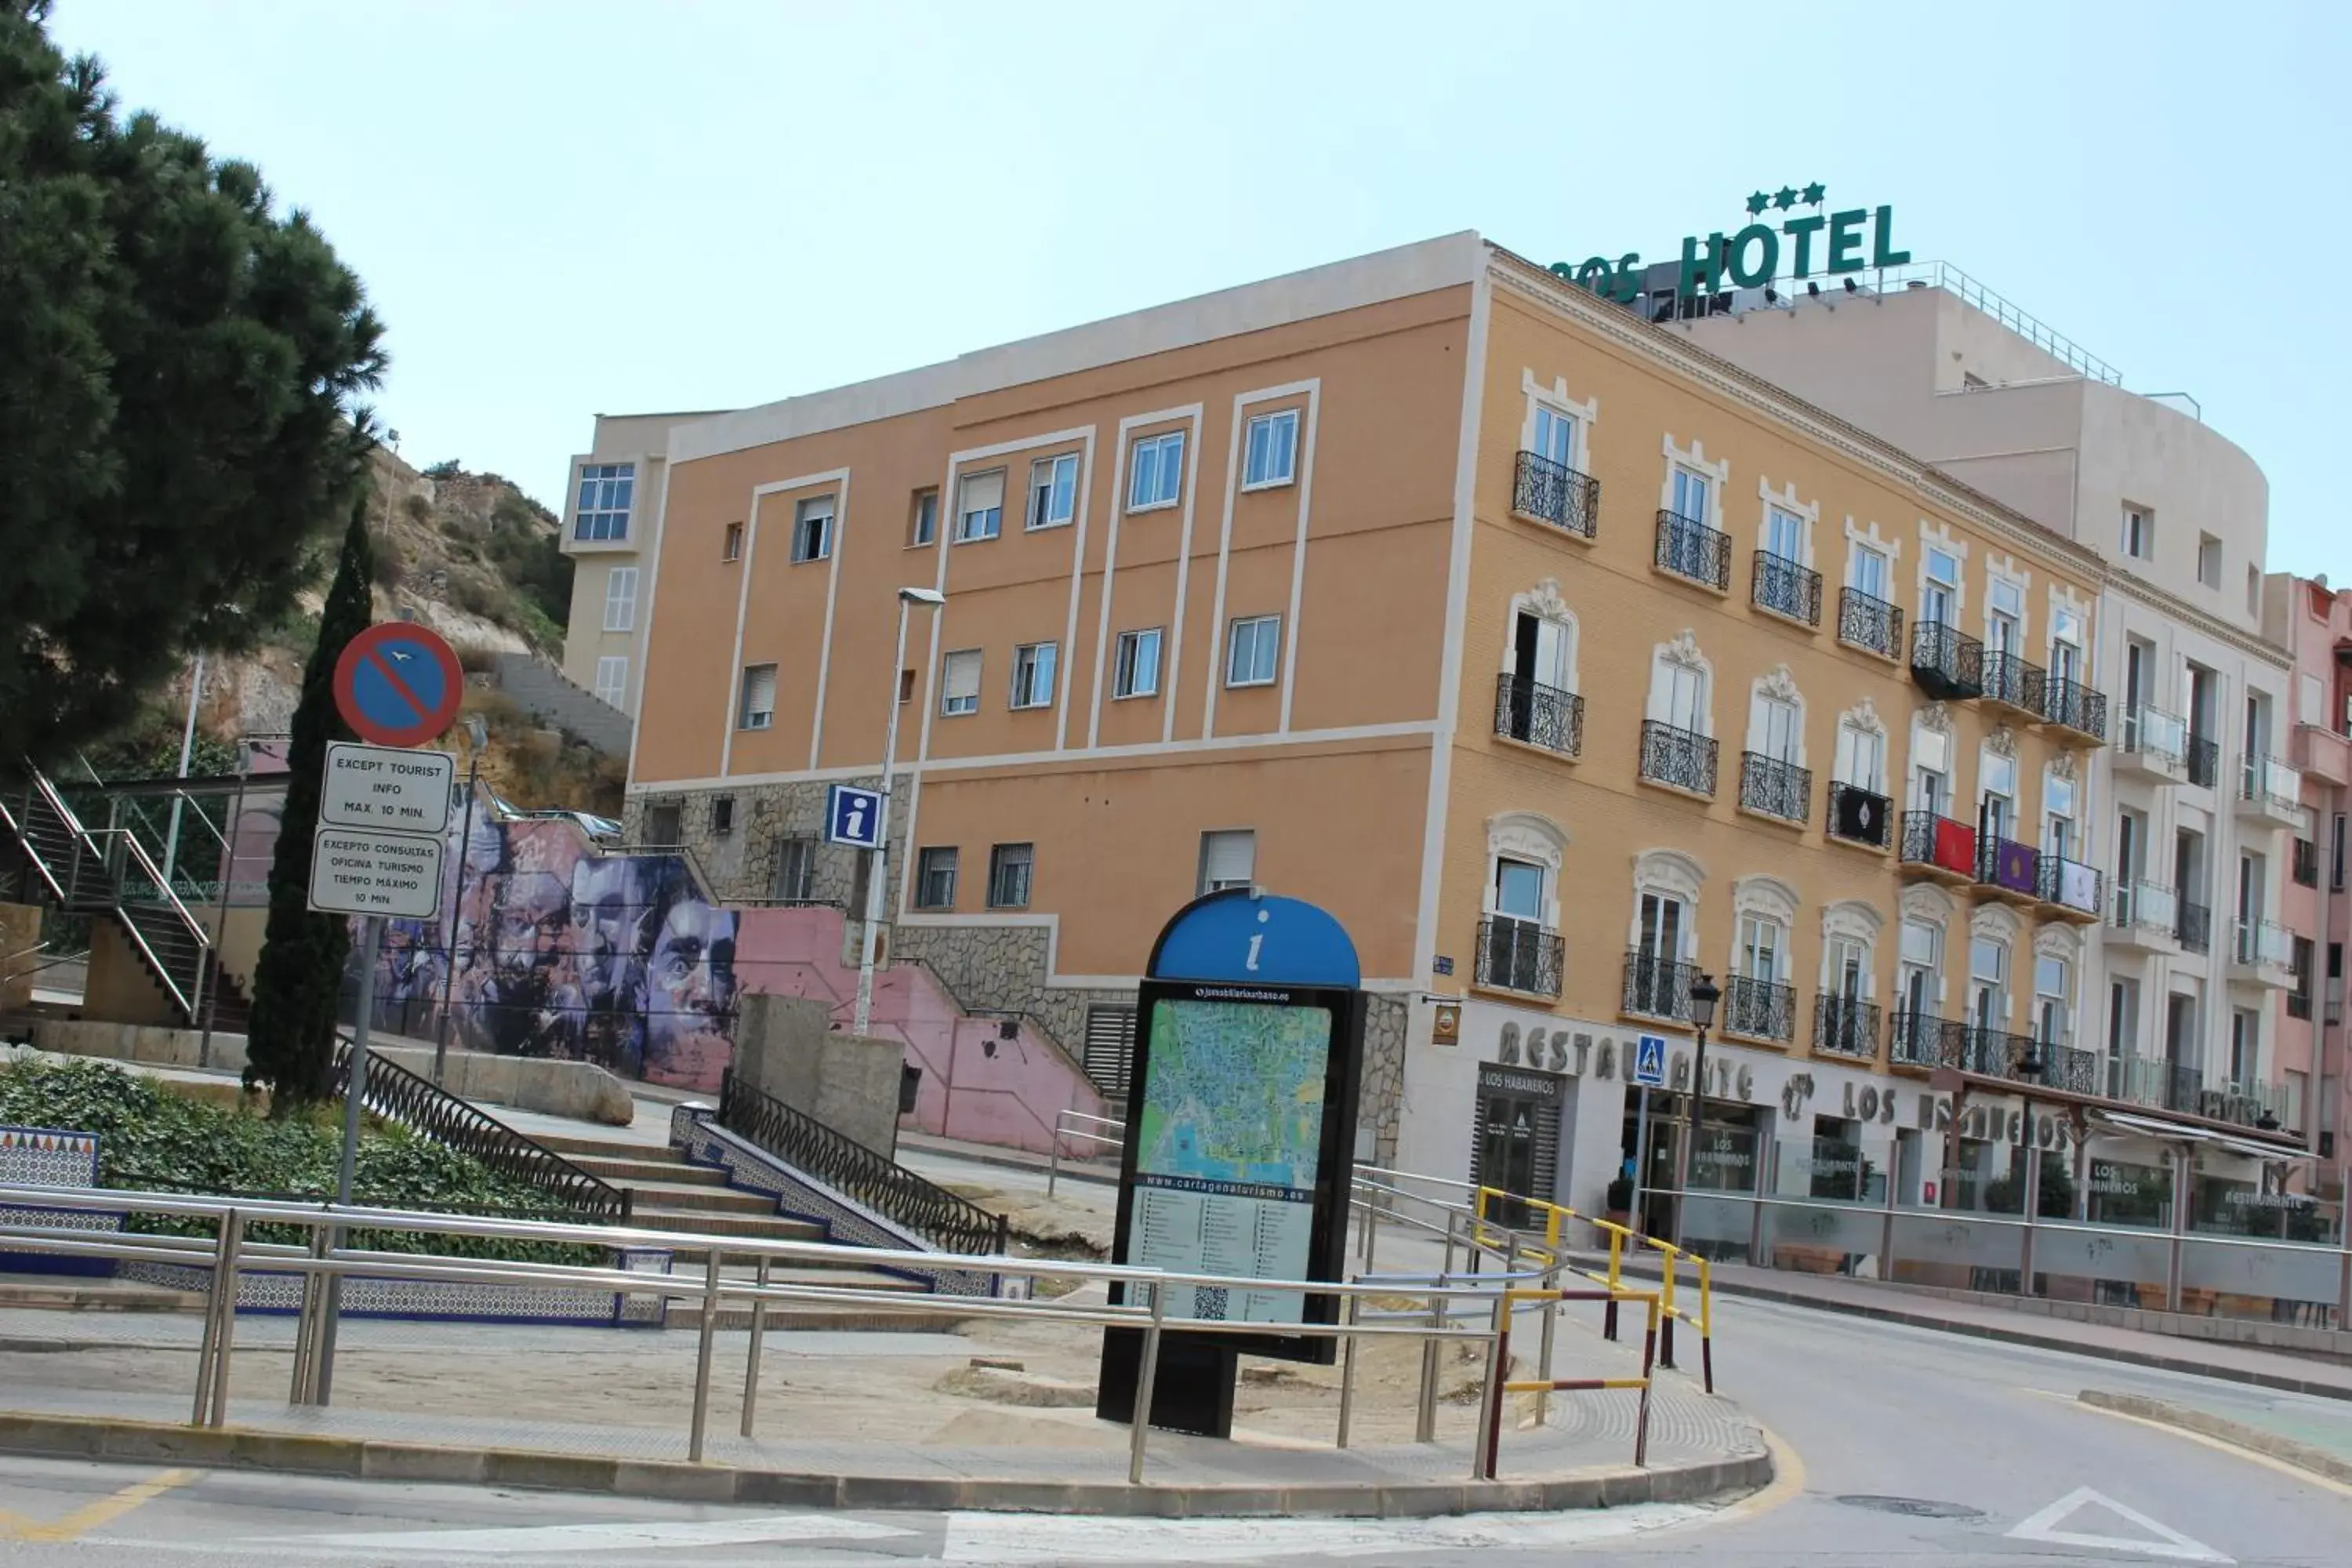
x,y
563,207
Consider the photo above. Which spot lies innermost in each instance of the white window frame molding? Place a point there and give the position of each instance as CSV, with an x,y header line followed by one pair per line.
x,y
1806,512
1681,650
1587,415
1671,873
2005,569
1766,897
629,621
1863,718
1933,536
1929,905
1297,415
1532,837
2062,941
1859,921
1544,602
620,699
1775,685
2064,600
1137,438
1934,719
1719,475
1997,923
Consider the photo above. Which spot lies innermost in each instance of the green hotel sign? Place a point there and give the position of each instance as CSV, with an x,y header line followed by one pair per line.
x,y
1855,239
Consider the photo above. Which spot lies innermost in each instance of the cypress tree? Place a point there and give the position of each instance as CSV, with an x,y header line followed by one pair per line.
x,y
290,1043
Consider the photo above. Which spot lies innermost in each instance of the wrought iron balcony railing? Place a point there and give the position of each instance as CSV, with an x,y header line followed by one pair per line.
x,y
2006,864
1919,1039
1759,1009
2011,679
2204,761
1775,788
1994,1053
1657,987
2070,884
1786,587
1870,624
2069,1068
2184,1088
1519,955
1681,758
1555,494
1946,661
1539,715
1689,548
1845,1027
1860,817
1939,842
2196,927
2074,706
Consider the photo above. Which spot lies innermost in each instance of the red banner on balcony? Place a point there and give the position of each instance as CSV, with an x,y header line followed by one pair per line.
x,y
1956,847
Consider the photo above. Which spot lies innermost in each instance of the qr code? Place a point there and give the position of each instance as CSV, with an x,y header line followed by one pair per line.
x,y
1209,1302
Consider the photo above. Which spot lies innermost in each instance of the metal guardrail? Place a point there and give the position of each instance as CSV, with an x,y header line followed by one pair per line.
x,y
1080,1127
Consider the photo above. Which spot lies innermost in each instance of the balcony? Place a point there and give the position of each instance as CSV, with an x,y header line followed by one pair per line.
x,y
1786,588
2075,708
1770,787
1946,661
2010,682
2144,918
2261,954
2323,754
2183,1089
1678,759
1939,846
1993,1053
2072,890
1845,1027
1657,987
1922,1041
1858,817
2270,794
1759,1009
1554,493
2008,868
2152,746
2306,866
1535,714
2066,1068
1694,552
1869,623
2267,1106
2194,930
1518,956
2204,761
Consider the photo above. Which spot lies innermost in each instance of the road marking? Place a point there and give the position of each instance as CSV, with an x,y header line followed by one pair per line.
x,y
73,1526
524,1540
2250,1456
1788,1482
1026,1541
2171,1543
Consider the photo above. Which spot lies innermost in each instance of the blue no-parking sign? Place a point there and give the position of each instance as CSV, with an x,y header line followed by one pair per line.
x,y
852,816
1650,1061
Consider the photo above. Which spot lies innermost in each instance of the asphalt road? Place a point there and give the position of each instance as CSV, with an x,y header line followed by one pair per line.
x,y
1898,1447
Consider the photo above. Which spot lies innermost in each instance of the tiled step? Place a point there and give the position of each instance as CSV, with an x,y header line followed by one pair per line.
x,y
573,1145
767,1226
697,1199
632,1172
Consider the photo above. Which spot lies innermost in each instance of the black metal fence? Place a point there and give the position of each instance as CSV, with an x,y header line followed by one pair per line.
x,y
2195,927
1759,1009
1786,587
2011,679
1519,955
1556,494
1946,661
1683,758
2075,706
1845,1027
1775,788
1657,987
1919,1039
1689,548
1527,710
1870,623
1860,817
2204,761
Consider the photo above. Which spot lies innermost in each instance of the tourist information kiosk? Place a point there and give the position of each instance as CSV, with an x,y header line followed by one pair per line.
x,y
1240,1146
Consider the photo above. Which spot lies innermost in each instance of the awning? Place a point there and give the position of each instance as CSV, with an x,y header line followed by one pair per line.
x,y
2149,1127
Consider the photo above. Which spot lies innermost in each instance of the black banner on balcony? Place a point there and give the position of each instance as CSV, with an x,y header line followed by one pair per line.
x,y
1860,816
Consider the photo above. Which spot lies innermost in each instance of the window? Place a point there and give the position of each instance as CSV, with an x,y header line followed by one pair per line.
x,y
1033,675
1997,800
665,825
1862,758
2209,560
1915,977
759,696
2058,818
1137,672
1987,978
613,680
2049,1000
1250,650
2335,856
1784,534
2004,620
1939,598
1228,859
1556,434
1780,730
2245,1044
923,519
2255,591
935,878
960,682
1158,475
1678,696
1868,571
1273,450
813,529
2067,645
1690,490
1519,890
731,547
722,814
1008,876
1761,942
906,685
603,514
1053,491
980,507
796,879
2299,998
2140,533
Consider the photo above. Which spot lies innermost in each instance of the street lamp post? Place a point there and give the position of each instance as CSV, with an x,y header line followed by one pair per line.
x,y
1704,995
879,866
2028,1072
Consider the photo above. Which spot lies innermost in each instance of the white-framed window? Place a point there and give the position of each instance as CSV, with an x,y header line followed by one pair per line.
x,y
1251,651
1009,866
1273,450
1519,891
1135,670
1053,491
960,682
980,506
2050,992
1691,491
1867,573
621,599
2004,616
1033,675
935,876
606,489
759,696
1678,695
2066,638
1862,758
1784,534
1778,730
923,519
1157,475
1940,597
1997,800
1557,435
2245,1044
1987,983
2208,559
1914,973
2059,835
1849,968
2139,532
813,529
1228,859
1763,946
1543,650
613,679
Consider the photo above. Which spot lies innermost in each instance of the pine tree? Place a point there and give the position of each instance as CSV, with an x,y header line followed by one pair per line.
x,y
289,1045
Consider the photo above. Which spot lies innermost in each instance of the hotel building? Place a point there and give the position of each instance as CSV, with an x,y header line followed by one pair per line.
x,y
1562,659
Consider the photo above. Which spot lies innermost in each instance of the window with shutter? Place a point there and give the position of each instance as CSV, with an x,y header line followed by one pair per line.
x,y
980,507
621,599
960,682
759,696
1228,859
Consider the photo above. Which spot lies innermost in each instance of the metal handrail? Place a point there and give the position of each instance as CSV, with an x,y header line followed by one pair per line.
x,y
1115,1137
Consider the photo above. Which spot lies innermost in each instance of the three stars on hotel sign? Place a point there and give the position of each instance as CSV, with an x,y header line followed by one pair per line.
x,y
1786,197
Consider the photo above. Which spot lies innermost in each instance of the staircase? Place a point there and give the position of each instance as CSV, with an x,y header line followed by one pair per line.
x,y
549,695
109,873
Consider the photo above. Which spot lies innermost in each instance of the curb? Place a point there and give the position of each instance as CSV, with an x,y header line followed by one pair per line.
x,y
353,1459
2301,1456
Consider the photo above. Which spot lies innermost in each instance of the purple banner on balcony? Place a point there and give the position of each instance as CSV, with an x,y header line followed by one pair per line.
x,y
2013,866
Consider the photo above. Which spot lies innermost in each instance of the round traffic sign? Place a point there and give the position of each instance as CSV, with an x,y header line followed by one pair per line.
x,y
398,684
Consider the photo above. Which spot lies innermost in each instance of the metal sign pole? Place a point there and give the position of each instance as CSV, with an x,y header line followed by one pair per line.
x,y
354,1092
1641,1159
